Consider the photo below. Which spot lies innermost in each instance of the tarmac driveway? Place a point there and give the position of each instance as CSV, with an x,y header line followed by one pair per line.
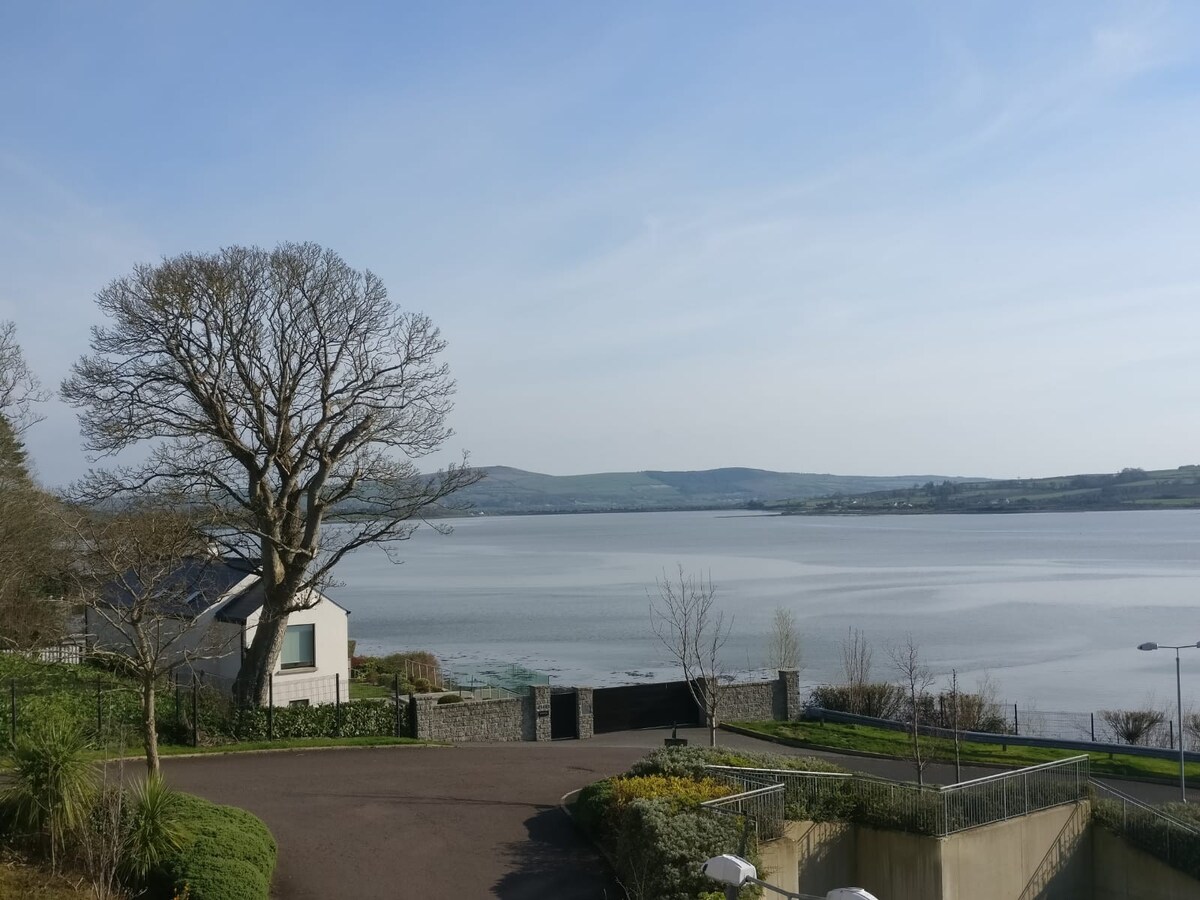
x,y
427,823
456,823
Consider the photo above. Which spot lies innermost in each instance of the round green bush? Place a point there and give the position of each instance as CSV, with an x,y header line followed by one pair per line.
x,y
449,698
226,854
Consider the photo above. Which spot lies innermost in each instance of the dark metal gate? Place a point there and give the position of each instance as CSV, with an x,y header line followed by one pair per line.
x,y
564,713
644,706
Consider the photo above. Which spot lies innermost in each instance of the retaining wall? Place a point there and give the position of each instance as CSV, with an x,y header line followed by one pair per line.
x,y
1054,854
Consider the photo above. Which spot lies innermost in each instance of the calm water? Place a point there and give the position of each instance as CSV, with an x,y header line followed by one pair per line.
x,y
1051,605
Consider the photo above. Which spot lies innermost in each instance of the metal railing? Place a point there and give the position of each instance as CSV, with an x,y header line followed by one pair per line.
x,y
1154,830
763,807
923,810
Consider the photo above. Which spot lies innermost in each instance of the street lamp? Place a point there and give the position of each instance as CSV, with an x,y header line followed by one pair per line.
x,y
1150,645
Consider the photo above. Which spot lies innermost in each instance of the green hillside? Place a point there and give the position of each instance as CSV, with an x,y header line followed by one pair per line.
x,y
508,490
1127,489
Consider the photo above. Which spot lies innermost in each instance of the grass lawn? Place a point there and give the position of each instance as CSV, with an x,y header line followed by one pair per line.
x,y
883,741
295,744
360,690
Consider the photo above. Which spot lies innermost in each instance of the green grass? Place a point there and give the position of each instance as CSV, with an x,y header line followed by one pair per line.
x,y
882,741
296,744
361,690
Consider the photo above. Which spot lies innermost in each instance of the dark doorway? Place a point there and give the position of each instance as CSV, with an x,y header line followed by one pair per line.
x,y
644,706
564,713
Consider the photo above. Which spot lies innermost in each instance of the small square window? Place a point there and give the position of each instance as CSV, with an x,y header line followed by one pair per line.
x,y
299,647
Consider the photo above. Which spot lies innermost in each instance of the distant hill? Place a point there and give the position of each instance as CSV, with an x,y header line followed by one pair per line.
x,y
508,490
1127,489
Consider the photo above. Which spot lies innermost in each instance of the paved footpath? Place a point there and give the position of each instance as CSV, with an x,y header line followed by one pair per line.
x,y
455,823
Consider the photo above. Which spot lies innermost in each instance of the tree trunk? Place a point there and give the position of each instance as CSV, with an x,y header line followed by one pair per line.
x,y
250,688
917,752
149,726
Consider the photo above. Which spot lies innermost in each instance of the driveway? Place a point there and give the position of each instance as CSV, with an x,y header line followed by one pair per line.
x,y
454,823
425,823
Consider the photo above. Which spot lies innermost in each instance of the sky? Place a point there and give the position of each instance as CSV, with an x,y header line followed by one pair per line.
x,y
871,238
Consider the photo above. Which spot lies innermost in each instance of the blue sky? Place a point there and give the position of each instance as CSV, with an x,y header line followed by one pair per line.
x,y
951,238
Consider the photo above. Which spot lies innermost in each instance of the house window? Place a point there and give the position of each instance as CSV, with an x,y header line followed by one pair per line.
x,y
299,647
303,702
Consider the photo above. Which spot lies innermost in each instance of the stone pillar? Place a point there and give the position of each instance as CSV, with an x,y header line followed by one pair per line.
x,y
789,689
584,720
539,704
422,709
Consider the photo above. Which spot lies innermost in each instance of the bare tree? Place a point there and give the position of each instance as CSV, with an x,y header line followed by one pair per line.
x,y
954,723
284,390
856,667
31,613
139,569
20,389
783,645
915,678
686,619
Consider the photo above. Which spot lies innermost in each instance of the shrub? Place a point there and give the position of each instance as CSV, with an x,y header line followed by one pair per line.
x,y
1133,726
679,792
1154,835
449,698
657,850
878,699
53,785
226,854
691,762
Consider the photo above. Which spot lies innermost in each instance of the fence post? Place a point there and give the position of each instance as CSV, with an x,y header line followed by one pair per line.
x,y
1171,732
271,706
337,704
195,712
1093,715
396,699
99,711
12,735
1016,722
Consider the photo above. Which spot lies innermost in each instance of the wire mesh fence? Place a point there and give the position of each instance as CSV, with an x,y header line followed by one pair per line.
x,y
194,708
1144,727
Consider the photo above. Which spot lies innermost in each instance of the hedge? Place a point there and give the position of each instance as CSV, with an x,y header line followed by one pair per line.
x,y
1154,835
227,854
355,718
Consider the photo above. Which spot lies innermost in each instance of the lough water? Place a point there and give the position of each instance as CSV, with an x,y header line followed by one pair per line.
x,y
1051,605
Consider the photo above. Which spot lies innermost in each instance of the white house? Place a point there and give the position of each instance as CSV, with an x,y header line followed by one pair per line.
x,y
217,612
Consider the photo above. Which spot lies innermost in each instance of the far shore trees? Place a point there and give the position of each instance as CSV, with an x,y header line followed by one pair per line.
x,y
693,629
280,389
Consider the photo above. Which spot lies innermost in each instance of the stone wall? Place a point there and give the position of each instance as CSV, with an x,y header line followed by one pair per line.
x,y
474,720
777,699
585,718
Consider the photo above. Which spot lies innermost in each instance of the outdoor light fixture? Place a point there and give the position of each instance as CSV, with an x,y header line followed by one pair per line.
x,y
733,872
1151,645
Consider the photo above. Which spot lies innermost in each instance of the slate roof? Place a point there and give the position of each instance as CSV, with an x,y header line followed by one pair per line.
x,y
194,587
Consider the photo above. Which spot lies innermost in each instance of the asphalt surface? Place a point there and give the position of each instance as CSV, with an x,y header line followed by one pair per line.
x,y
456,823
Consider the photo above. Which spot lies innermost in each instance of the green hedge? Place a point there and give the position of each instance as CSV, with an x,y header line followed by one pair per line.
x,y
227,854
355,718
1154,835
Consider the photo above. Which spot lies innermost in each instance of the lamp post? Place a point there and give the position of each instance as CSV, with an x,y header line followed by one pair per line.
x,y
1150,645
